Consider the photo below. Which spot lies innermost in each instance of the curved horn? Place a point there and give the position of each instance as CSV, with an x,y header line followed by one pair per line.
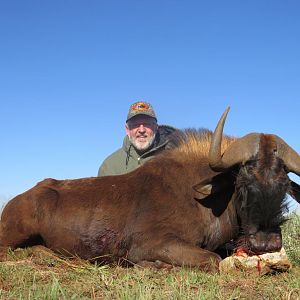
x,y
215,158
290,157
239,151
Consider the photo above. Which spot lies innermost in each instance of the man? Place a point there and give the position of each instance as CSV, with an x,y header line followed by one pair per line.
x,y
144,139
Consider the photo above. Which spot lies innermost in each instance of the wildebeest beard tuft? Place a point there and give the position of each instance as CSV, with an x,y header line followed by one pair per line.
x,y
262,195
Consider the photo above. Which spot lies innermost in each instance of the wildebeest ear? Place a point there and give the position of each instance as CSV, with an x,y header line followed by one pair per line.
x,y
213,185
215,192
295,191
203,189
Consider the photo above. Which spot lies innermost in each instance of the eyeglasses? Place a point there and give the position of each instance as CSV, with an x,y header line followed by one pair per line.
x,y
133,125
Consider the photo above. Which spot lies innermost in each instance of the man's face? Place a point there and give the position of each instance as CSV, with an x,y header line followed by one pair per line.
x,y
141,131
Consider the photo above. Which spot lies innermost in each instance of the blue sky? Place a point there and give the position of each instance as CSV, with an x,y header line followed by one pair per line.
x,y
70,69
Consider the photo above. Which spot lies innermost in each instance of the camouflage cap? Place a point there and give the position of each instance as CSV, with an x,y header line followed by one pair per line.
x,y
141,108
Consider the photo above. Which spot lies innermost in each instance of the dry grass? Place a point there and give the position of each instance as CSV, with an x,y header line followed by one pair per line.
x,y
36,274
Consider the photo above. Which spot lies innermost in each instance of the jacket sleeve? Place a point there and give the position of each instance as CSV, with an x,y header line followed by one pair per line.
x,y
103,170
112,165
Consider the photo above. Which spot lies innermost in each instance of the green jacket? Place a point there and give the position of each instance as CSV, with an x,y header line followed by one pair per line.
x,y
126,159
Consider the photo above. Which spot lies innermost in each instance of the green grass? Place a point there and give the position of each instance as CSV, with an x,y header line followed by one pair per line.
x,y
29,275
291,238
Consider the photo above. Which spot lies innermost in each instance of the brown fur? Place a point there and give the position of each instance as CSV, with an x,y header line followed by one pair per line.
x,y
152,215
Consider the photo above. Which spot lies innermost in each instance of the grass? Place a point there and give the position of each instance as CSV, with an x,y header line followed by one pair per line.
x,y
291,238
28,274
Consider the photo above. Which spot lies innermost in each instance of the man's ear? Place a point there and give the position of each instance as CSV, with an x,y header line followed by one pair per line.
x,y
127,129
294,192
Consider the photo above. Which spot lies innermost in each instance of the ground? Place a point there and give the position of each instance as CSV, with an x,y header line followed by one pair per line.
x,y
34,273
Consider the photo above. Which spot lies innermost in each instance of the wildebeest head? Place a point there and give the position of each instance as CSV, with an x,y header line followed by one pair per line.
x,y
261,163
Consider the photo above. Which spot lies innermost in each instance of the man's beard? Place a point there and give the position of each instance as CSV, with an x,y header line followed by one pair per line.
x,y
142,146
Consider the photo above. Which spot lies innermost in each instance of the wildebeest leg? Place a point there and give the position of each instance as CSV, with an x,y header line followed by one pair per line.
x,y
179,253
154,264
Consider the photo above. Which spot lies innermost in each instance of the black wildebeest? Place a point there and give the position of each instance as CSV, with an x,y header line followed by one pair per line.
x,y
176,209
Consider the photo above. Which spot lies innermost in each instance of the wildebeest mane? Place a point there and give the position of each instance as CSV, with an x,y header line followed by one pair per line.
x,y
194,143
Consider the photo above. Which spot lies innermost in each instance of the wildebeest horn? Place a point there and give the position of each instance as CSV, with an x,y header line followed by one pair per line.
x,y
290,157
239,151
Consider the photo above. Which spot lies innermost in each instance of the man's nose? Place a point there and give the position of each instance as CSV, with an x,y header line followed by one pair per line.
x,y
141,128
